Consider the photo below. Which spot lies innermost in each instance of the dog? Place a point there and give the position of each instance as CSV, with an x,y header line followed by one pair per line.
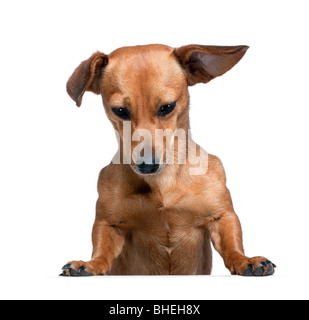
x,y
155,217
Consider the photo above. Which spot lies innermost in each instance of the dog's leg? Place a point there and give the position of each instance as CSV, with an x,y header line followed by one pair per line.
x,y
226,235
108,243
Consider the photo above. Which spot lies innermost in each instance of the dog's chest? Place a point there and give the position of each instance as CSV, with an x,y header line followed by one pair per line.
x,y
162,236
166,220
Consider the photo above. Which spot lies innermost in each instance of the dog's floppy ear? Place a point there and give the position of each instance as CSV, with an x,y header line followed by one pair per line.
x,y
86,77
204,63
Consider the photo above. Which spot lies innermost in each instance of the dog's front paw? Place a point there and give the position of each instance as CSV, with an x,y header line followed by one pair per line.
x,y
85,269
248,267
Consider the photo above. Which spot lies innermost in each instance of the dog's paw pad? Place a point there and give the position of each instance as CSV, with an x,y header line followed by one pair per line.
x,y
85,269
69,270
252,267
248,271
262,269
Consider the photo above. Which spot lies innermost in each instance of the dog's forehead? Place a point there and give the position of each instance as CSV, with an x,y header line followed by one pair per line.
x,y
133,68
153,52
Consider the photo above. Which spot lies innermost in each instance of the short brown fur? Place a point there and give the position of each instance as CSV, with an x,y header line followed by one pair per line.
x,y
160,224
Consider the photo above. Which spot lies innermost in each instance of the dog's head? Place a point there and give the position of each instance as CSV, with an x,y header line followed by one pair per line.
x,y
145,95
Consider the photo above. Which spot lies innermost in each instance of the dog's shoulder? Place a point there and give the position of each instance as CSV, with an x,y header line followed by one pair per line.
x,y
113,175
118,179
215,169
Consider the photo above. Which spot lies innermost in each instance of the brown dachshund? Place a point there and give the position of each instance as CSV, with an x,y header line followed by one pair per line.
x,y
159,206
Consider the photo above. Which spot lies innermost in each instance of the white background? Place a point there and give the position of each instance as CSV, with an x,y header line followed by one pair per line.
x,y
255,118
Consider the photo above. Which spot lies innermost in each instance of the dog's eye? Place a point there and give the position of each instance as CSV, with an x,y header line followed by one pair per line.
x,y
122,113
166,109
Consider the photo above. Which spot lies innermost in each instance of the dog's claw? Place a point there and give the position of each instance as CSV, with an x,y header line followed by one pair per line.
x,y
67,266
269,262
81,270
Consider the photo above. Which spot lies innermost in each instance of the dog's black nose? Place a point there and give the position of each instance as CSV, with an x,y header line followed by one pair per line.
x,y
148,168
